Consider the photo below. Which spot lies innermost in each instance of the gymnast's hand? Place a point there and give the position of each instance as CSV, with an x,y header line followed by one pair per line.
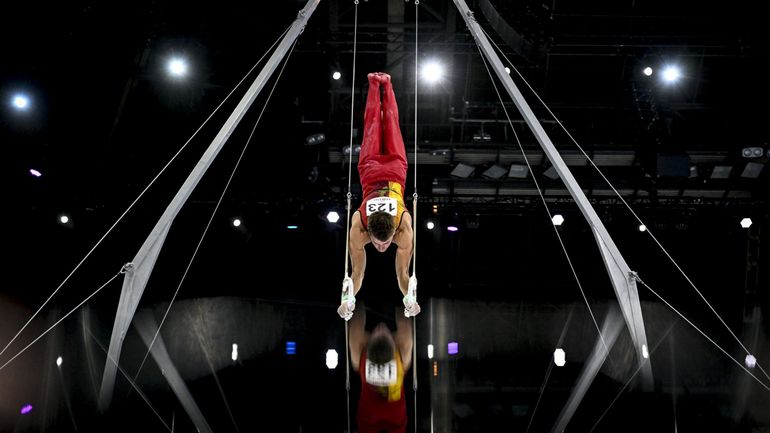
x,y
411,307
348,300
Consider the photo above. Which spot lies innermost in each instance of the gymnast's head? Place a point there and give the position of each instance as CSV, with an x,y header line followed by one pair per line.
x,y
381,230
381,347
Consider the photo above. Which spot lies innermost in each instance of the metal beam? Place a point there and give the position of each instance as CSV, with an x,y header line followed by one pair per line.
x,y
610,329
141,267
622,282
146,326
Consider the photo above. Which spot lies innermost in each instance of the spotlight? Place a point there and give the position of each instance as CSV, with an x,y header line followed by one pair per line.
x,y
647,71
177,67
430,225
234,354
432,72
559,357
236,222
751,361
333,217
27,408
292,227
642,228
35,173
746,223
430,351
645,352
20,102
671,74
452,228
312,140
508,70
64,219
59,361
752,152
557,220
332,358
336,75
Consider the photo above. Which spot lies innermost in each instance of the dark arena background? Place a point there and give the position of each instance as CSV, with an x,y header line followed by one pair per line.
x,y
657,108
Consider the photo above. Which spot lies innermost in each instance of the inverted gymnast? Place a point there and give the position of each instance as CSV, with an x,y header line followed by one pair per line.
x,y
381,358
382,218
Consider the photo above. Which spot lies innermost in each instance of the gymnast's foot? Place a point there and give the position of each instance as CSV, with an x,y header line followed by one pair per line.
x,y
379,77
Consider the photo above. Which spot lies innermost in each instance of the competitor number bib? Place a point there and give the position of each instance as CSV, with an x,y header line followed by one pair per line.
x,y
382,204
381,374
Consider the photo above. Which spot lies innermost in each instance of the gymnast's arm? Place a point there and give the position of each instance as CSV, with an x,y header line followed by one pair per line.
x,y
358,239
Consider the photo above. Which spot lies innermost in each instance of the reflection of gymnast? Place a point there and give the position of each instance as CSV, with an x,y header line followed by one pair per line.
x,y
382,218
381,358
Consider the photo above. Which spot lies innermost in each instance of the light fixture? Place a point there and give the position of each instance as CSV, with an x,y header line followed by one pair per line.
x,y
557,220
430,351
463,170
64,219
551,173
59,361
721,172
332,358
751,361
642,228
559,357
452,348
236,222
432,72
292,227
671,74
20,102
435,209
336,75
518,171
508,70
645,352
452,228
746,223
752,152
356,150
647,71
752,170
332,217
27,408
430,225
494,172
177,67
35,173
315,139
234,353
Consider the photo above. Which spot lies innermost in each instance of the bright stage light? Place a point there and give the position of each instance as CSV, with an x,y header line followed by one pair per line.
x,y
647,71
642,228
645,352
336,75
430,351
64,219
59,361
751,361
430,225
20,102
508,70
332,358
746,223
452,348
27,408
452,228
234,354
177,67
557,220
236,222
332,217
432,72
671,74
35,173
559,357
